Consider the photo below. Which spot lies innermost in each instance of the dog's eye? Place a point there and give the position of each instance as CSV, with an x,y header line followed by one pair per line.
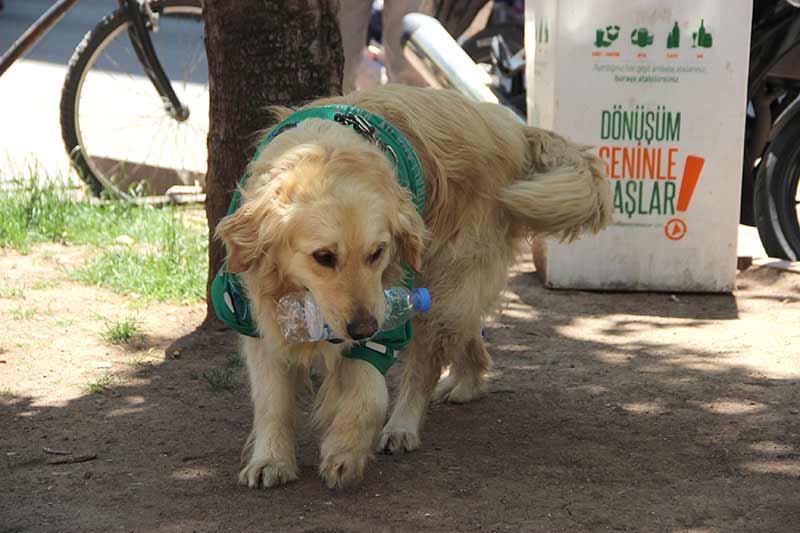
x,y
325,258
375,255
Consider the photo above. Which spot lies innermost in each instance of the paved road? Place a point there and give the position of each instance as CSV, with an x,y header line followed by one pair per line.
x,y
30,90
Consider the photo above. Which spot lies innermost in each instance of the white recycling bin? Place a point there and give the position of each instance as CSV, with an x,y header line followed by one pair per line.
x,y
658,89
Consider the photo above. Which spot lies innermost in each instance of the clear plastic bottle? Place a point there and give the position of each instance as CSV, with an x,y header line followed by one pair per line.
x,y
402,304
300,319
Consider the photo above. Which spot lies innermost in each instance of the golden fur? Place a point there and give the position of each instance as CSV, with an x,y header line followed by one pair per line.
x,y
321,188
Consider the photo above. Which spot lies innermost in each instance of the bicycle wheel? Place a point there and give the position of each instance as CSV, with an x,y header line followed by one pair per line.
x,y
776,198
115,126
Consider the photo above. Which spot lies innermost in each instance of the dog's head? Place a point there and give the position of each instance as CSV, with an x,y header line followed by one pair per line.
x,y
323,211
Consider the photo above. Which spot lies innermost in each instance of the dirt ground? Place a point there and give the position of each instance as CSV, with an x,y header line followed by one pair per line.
x,y
605,412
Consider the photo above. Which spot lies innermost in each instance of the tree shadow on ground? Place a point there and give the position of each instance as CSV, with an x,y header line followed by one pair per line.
x,y
597,416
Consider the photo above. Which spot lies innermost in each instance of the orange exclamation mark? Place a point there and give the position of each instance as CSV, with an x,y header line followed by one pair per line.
x,y
691,174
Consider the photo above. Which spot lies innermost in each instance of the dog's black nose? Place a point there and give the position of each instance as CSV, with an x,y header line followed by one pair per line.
x,y
363,326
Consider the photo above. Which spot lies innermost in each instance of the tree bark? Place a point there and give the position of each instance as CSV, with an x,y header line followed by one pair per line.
x,y
260,53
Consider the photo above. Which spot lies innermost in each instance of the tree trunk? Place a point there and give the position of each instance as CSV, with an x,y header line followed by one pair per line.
x,y
260,53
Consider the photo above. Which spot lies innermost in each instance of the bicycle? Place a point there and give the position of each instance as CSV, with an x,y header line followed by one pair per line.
x,y
152,134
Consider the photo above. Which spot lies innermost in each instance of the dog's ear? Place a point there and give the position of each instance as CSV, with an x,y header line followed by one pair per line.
x,y
409,234
240,235
240,230
260,220
248,233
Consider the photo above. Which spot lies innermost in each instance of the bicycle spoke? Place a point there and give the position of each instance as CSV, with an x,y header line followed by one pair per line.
x,y
107,129
146,158
197,56
117,81
175,146
144,122
116,63
158,161
202,131
185,151
164,141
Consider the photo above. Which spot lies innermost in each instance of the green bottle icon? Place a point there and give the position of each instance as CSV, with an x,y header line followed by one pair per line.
x,y
641,37
674,37
701,38
600,39
605,37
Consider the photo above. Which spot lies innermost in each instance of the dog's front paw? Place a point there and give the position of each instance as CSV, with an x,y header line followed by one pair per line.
x,y
398,440
266,473
342,469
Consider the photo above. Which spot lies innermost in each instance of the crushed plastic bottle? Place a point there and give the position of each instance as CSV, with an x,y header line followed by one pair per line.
x,y
300,319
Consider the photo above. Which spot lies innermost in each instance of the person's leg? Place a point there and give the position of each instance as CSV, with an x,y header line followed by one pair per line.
x,y
397,68
353,23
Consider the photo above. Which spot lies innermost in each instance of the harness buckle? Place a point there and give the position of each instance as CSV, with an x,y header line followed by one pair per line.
x,y
359,124
362,126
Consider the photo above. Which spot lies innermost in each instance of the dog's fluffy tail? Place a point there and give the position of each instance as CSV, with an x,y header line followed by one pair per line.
x,y
564,191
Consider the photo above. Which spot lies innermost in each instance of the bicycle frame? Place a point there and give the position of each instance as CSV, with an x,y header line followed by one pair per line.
x,y
141,17
37,30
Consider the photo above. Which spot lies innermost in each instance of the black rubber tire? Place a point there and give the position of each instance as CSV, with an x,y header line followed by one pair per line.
x,y
774,198
77,64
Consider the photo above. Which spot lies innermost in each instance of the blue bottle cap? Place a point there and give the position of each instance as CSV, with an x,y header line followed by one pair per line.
x,y
421,300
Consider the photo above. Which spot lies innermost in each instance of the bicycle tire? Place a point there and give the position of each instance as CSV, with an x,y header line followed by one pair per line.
x,y
775,195
81,60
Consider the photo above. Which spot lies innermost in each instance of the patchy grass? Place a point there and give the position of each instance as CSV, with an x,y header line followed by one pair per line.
x,y
123,331
235,360
218,380
142,366
32,211
7,397
136,304
10,292
22,312
45,284
157,254
224,379
142,362
63,322
99,385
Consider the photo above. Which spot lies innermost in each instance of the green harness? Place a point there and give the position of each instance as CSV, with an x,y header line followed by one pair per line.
x,y
228,293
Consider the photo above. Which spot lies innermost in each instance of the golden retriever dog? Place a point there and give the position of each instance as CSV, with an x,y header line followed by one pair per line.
x,y
323,211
